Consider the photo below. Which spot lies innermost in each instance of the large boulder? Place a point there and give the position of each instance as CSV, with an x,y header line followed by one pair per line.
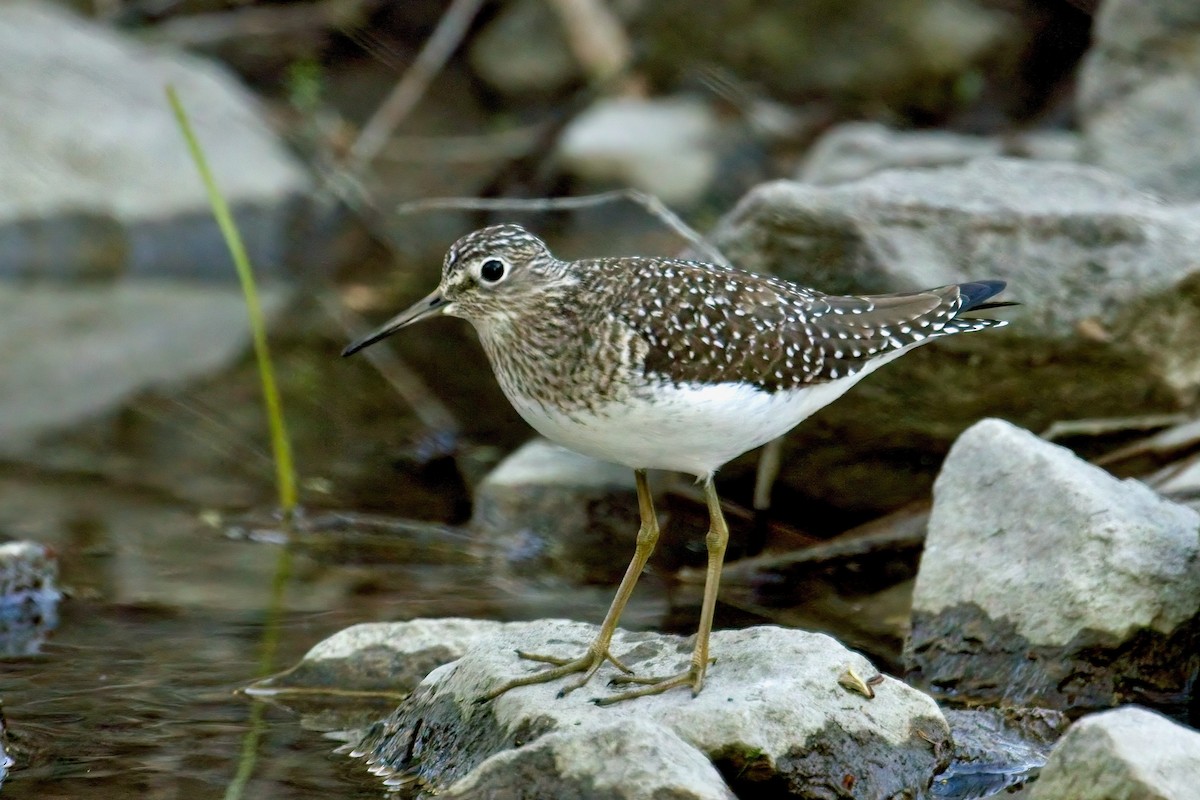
x,y
775,715
1047,582
121,279
1127,752
1139,94
97,180
1109,322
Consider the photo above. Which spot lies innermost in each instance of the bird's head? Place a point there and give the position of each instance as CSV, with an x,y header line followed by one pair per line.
x,y
487,276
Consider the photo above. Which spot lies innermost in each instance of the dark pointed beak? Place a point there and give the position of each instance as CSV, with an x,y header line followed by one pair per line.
x,y
431,306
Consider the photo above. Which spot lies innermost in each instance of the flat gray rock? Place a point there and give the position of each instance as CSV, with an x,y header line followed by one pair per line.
x,y
773,714
97,179
381,656
1046,581
1128,752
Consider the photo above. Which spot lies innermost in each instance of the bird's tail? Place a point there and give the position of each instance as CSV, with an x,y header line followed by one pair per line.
x,y
975,293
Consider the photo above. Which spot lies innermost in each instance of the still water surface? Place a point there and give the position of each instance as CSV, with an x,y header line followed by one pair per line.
x,y
135,692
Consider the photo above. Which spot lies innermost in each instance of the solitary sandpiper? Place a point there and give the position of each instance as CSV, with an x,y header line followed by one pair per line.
x,y
658,363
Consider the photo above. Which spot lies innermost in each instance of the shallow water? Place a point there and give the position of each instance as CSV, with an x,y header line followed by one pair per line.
x,y
136,689
127,701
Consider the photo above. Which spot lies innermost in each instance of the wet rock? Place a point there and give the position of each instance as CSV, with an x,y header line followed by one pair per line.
x,y
1126,752
549,511
666,147
1110,313
1139,94
773,716
630,759
6,760
98,182
855,150
388,657
1045,581
29,598
996,750
72,353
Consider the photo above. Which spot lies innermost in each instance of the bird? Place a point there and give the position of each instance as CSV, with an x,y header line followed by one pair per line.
x,y
668,364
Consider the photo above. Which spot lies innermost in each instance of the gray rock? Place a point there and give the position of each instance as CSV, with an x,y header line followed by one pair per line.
x,y
71,353
855,150
772,714
666,147
1108,317
1045,581
381,656
630,759
97,180
1139,94
29,598
523,50
548,511
1127,752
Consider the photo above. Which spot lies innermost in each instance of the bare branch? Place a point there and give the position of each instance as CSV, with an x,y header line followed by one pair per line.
x,y
647,201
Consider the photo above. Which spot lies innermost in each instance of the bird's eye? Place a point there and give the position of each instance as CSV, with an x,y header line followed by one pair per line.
x,y
491,270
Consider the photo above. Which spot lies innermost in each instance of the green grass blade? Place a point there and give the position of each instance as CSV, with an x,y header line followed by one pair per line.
x,y
281,446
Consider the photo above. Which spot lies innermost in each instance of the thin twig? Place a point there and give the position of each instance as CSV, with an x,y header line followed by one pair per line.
x,y
446,37
646,201
1105,426
514,143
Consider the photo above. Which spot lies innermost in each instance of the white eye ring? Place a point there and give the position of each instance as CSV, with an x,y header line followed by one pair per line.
x,y
492,270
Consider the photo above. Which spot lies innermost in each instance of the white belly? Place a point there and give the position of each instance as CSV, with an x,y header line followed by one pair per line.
x,y
693,428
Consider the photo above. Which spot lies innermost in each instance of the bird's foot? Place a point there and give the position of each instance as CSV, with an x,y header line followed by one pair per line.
x,y
693,676
587,663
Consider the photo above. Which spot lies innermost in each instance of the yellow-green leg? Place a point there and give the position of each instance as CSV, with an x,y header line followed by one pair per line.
x,y
716,540
598,652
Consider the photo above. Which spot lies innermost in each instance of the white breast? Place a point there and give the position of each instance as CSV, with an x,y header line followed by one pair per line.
x,y
693,428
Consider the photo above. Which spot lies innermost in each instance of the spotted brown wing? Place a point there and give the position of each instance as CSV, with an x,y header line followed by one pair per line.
x,y
706,324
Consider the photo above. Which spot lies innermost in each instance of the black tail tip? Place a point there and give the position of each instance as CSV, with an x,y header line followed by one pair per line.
x,y
976,292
